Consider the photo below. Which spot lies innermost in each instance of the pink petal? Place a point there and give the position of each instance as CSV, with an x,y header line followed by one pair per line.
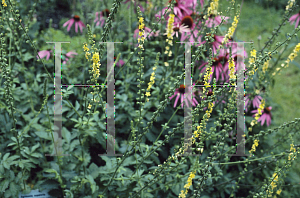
x,y
76,27
293,18
70,24
181,101
42,54
297,22
263,118
178,95
66,23
48,55
186,102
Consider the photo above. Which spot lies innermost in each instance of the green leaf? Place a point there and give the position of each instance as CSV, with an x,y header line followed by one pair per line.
x,y
6,156
93,170
77,105
70,87
27,56
66,135
35,147
4,185
43,135
6,165
13,188
14,139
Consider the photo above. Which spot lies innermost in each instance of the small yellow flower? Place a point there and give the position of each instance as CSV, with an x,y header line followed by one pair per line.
x,y
255,144
278,192
253,53
85,47
3,3
87,54
141,20
182,195
96,57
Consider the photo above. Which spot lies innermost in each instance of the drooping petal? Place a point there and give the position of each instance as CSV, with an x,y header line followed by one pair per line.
x,y
186,102
48,55
96,19
178,95
66,23
76,27
70,24
181,100
42,54
263,119
297,22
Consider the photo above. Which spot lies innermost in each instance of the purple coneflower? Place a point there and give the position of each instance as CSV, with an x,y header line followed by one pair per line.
x,y
266,115
77,21
101,19
147,31
255,102
69,55
181,9
219,67
192,35
177,28
295,17
180,92
120,62
217,42
44,53
215,20
209,93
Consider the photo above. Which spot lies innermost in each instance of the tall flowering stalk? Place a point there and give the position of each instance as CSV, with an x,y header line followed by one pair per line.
x,y
290,4
96,65
187,186
152,77
266,65
290,58
274,179
208,74
231,69
202,126
258,114
87,53
252,61
142,37
169,34
212,9
231,29
255,144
